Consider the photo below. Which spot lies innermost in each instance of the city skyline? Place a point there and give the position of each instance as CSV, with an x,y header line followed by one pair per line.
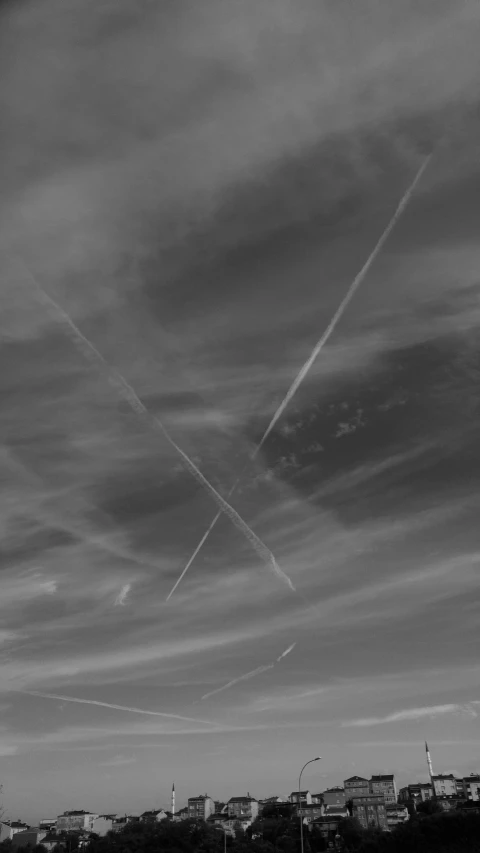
x,y
226,793
188,192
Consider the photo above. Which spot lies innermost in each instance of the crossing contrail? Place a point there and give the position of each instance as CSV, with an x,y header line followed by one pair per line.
x,y
115,707
125,390
249,675
318,346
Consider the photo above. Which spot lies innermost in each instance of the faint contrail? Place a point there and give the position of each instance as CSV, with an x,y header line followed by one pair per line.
x,y
115,707
89,351
318,346
249,675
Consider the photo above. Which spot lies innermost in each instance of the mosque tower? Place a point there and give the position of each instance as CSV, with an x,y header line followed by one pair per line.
x,y
173,799
430,768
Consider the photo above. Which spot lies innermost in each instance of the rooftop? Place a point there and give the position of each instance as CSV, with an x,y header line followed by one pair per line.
x,y
387,778
79,812
150,812
242,800
312,807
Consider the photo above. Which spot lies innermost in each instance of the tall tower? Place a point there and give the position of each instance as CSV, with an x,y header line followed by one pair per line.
x,y
430,769
173,799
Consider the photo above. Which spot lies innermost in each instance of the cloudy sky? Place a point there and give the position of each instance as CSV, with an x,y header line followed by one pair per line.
x,y
194,187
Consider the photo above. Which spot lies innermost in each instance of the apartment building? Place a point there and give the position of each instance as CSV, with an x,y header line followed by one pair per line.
x,y
48,823
301,798
416,793
445,785
471,787
309,813
28,837
181,814
217,818
356,786
336,811
230,825
103,824
334,796
119,823
242,808
396,813
80,820
201,807
9,828
370,810
384,786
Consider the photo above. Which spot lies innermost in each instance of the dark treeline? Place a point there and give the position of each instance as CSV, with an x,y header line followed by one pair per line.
x,y
456,832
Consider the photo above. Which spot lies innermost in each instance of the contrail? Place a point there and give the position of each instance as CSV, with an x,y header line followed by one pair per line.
x,y
90,352
319,345
200,546
286,652
115,707
248,675
344,304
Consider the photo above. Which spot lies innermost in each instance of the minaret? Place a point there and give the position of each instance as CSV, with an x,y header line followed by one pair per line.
x,y
173,799
430,769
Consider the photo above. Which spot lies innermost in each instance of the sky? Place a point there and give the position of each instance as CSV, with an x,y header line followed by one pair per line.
x,y
193,188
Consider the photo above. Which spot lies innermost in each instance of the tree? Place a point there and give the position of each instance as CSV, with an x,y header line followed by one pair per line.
x,y
187,836
317,842
429,807
351,831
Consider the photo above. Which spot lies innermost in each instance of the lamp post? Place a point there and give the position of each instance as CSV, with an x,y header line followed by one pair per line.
x,y
300,797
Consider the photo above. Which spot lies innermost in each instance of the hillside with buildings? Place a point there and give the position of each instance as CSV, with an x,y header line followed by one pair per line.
x,y
355,809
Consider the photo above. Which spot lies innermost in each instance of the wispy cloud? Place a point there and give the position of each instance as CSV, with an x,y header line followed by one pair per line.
x,y
118,761
123,594
203,245
468,709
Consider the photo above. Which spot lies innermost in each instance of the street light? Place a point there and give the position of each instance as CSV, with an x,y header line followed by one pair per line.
x,y
300,797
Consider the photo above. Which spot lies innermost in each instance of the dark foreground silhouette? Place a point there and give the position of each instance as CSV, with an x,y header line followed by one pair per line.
x,y
456,832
